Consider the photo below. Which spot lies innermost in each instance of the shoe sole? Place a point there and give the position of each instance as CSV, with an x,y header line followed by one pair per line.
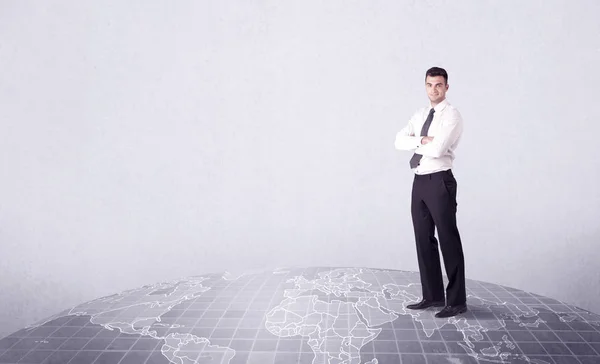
x,y
424,308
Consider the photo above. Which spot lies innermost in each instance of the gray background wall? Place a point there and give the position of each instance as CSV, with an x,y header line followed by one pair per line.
x,y
142,141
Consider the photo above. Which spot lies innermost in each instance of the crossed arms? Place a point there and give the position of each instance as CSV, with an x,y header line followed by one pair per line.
x,y
430,146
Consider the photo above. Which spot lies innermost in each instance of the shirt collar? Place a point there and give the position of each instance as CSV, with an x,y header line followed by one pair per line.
x,y
441,106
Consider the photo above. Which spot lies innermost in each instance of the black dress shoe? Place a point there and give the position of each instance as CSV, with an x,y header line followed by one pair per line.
x,y
450,311
425,304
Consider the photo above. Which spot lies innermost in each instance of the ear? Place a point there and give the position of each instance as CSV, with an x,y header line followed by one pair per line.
x,y
447,87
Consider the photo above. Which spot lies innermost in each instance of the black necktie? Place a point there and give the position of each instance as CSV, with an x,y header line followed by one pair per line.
x,y
416,158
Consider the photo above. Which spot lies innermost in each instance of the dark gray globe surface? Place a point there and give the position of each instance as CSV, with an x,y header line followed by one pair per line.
x,y
314,315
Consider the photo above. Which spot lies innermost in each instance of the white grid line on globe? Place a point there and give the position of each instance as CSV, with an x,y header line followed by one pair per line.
x,y
275,291
247,308
500,301
74,336
32,349
526,329
541,303
64,324
393,330
216,326
148,352
66,339
167,332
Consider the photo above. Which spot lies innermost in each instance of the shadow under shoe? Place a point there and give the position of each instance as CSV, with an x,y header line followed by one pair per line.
x,y
426,304
450,311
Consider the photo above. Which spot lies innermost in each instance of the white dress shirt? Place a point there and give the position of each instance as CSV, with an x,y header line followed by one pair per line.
x,y
446,130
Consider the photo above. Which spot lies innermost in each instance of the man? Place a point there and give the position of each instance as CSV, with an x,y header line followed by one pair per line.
x,y
433,133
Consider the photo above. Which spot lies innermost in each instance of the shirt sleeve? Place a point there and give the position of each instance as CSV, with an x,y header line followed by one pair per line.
x,y
449,131
405,138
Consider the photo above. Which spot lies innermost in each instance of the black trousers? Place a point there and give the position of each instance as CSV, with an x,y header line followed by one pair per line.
x,y
433,206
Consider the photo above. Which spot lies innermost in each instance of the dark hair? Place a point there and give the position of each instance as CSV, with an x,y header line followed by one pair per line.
x,y
437,71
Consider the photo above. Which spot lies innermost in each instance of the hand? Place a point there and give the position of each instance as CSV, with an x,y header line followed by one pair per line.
x,y
426,140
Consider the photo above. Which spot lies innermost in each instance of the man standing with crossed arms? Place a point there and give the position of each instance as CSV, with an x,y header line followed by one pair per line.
x,y
433,134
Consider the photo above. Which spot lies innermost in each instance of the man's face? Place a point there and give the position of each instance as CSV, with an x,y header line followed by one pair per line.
x,y
436,88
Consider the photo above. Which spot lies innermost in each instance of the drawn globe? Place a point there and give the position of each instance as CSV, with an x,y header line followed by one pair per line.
x,y
313,315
